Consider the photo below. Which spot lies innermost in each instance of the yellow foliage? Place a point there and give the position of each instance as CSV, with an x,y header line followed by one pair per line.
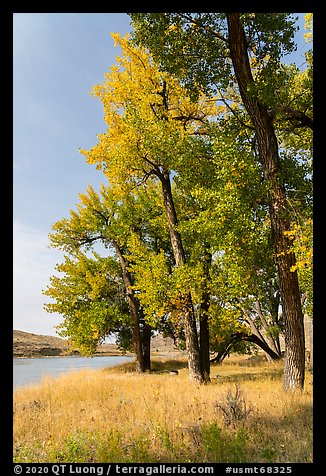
x,y
308,26
148,115
302,246
229,185
173,28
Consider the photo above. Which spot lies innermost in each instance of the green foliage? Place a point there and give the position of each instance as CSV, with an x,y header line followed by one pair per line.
x,y
162,120
194,46
152,280
90,298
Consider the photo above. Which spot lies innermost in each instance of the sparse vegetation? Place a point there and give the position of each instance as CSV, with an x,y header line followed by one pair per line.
x,y
118,415
234,409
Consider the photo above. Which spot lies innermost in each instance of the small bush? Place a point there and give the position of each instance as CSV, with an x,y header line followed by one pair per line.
x,y
234,408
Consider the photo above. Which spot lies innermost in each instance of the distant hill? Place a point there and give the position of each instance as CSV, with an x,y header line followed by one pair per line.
x,y
26,344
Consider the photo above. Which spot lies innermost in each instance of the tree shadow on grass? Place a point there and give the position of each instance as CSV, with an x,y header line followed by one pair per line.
x,y
275,373
288,438
157,366
163,366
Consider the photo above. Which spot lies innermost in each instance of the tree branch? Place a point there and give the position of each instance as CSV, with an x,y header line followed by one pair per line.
x,y
234,113
196,22
106,219
293,115
86,240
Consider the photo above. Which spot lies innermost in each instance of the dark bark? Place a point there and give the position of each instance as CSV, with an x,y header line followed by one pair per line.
x,y
204,343
133,305
273,342
263,345
203,322
176,241
192,346
191,335
298,118
269,343
239,336
278,210
146,345
311,361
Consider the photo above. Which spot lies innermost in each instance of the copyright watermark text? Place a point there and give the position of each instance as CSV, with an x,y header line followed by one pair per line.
x,y
111,469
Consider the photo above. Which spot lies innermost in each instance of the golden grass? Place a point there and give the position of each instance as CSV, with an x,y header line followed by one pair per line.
x,y
116,415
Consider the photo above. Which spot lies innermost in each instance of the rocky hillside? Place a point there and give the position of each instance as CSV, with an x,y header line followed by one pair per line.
x,y
26,344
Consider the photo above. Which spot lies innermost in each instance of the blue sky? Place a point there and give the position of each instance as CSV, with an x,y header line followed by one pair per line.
x,y
57,58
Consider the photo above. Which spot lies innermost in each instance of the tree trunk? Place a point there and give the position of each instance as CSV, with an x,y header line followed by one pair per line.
x,y
238,336
203,322
133,305
278,210
269,338
268,345
146,345
204,346
192,346
263,345
311,361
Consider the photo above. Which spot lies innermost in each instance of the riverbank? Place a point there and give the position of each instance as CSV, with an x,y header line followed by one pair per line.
x,y
27,372
117,415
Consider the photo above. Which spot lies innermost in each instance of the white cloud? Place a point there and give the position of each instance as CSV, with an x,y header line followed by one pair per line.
x,y
33,264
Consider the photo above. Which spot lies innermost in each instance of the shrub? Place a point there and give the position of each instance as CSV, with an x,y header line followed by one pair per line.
x,y
234,408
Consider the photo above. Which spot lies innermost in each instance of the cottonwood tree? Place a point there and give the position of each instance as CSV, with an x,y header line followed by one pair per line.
x,y
112,218
211,52
152,124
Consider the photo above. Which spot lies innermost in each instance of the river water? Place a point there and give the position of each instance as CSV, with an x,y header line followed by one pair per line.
x,y
31,371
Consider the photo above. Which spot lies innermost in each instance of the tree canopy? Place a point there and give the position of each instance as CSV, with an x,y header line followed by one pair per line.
x,y
208,213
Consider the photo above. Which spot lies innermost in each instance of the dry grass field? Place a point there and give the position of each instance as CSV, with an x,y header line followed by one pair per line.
x,y
116,415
